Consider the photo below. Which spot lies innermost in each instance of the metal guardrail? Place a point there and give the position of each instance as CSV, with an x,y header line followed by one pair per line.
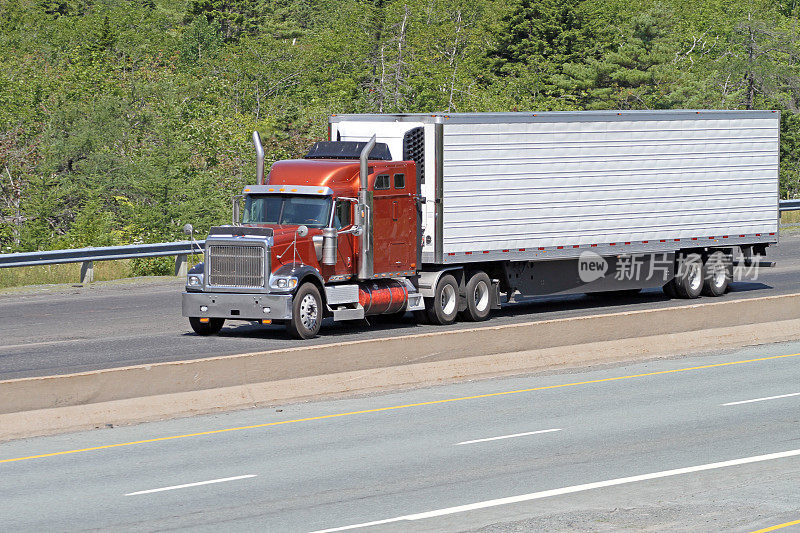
x,y
179,249
87,256
789,205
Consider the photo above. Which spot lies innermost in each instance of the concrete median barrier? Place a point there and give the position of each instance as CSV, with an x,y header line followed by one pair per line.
x,y
33,406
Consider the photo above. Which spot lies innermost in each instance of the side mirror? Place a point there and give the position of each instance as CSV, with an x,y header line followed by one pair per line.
x,y
188,229
302,231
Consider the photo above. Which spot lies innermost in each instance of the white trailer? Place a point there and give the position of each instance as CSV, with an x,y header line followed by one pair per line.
x,y
530,198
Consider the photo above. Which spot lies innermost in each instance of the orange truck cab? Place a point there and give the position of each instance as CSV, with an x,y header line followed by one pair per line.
x,y
319,236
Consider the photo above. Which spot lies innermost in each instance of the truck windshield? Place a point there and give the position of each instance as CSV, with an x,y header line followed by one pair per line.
x,y
313,211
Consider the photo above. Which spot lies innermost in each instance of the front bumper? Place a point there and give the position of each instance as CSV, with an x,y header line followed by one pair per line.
x,y
237,306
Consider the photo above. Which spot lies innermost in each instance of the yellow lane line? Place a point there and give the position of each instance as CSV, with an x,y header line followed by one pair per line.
x,y
394,407
779,526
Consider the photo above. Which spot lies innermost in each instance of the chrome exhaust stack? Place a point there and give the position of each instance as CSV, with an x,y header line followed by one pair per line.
x,y
259,158
364,215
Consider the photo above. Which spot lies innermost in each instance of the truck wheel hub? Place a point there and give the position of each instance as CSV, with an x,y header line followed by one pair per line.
x,y
309,311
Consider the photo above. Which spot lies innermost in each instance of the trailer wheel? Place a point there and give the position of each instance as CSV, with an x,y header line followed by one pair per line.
x,y
717,274
306,312
479,297
689,278
211,327
443,307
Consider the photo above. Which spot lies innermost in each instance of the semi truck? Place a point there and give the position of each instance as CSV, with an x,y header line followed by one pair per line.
x,y
449,216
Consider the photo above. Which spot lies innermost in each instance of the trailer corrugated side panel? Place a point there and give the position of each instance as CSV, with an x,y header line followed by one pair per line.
x,y
580,179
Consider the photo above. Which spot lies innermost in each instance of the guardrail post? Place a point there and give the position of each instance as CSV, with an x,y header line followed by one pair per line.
x,y
87,272
181,265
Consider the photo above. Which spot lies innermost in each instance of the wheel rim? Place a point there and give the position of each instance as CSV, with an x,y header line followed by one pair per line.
x,y
481,296
309,312
719,275
448,299
695,276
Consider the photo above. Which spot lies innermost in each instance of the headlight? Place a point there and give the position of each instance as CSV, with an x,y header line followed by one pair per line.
x,y
194,281
285,283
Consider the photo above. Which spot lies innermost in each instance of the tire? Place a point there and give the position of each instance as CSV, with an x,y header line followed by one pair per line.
x,y
717,274
211,327
479,297
689,276
306,312
442,309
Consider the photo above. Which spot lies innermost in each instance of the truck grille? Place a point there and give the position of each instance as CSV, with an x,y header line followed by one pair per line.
x,y
236,266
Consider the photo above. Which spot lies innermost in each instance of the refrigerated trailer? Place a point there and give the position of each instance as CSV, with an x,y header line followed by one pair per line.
x,y
449,215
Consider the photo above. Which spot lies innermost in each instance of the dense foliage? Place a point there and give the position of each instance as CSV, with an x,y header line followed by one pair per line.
x,y
122,120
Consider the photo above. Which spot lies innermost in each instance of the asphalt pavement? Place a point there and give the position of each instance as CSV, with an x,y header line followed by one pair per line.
x,y
65,329
693,443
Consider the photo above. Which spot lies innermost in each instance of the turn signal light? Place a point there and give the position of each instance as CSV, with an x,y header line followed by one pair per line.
x,y
204,320
266,321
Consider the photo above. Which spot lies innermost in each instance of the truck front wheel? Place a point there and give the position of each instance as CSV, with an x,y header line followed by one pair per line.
x,y
306,312
443,307
211,327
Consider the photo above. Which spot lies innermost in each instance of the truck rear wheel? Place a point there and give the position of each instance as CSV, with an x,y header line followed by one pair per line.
x,y
211,327
479,297
306,312
717,274
443,307
689,278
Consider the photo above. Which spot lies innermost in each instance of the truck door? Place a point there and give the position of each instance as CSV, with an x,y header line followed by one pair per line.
x,y
394,222
343,219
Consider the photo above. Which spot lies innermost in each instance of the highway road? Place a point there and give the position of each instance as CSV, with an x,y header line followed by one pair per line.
x,y
47,330
700,443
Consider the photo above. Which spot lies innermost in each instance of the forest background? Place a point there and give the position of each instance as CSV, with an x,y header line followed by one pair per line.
x,y
122,120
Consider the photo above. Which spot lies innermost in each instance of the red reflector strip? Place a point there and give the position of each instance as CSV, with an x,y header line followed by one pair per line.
x,y
694,238
677,240
594,246
758,235
486,251
613,244
627,243
468,253
772,233
541,248
522,249
741,235
505,251
724,236
560,247
451,253
663,240
576,245
645,242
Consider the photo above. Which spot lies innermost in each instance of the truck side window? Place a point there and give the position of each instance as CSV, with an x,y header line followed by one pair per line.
x,y
382,182
399,181
341,216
